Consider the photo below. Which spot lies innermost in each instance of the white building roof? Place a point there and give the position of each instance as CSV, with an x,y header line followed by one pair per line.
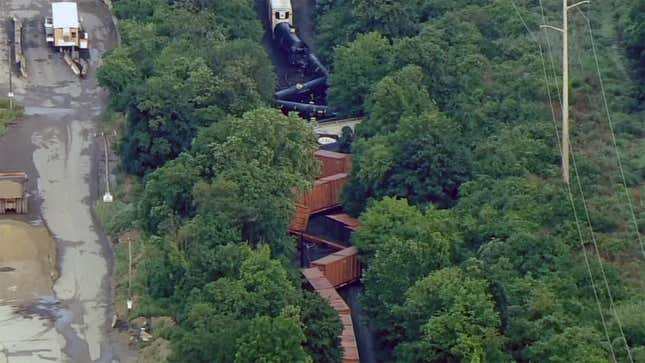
x,y
280,4
65,15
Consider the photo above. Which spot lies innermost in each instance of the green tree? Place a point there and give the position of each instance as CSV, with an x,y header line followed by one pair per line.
x,y
394,219
167,196
425,160
518,151
500,208
273,340
358,67
268,284
450,316
140,10
245,76
143,43
574,344
396,266
322,328
336,25
403,93
163,268
118,73
635,39
162,122
243,154
431,160
200,338
391,18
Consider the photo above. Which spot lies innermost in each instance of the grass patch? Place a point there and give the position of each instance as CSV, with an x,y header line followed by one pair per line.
x,y
8,116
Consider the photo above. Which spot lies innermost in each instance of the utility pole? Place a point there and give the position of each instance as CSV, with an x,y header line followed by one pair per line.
x,y
565,83
565,92
10,84
129,302
107,197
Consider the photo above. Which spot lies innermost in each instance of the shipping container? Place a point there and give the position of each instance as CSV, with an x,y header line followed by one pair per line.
x,y
321,226
323,287
300,220
316,279
341,267
348,221
326,193
348,339
333,163
321,241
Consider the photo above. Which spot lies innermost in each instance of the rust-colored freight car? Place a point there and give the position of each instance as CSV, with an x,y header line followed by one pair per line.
x,y
333,163
326,193
341,267
13,192
348,339
301,219
348,221
323,287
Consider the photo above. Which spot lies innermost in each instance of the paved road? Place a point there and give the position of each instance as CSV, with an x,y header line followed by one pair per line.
x,y
55,144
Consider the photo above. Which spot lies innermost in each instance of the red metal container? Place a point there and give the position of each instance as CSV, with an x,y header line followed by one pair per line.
x,y
326,193
300,220
348,339
341,267
348,221
333,163
323,287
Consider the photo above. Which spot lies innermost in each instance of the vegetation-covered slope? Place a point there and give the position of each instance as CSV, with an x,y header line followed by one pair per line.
x,y
471,246
219,176
458,116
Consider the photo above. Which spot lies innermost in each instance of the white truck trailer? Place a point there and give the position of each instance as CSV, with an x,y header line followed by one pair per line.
x,y
64,32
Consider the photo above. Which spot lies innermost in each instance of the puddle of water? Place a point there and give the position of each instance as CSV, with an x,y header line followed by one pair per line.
x,y
50,111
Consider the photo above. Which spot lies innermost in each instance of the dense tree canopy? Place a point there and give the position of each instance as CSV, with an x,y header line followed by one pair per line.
x,y
459,113
183,65
220,174
360,65
472,248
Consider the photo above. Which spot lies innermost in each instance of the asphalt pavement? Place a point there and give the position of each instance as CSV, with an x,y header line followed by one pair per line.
x,y
55,144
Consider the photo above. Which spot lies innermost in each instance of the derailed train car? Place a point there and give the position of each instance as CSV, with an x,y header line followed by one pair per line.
x,y
298,97
284,33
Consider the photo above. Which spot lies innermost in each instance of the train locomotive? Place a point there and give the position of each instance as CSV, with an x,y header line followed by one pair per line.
x,y
298,55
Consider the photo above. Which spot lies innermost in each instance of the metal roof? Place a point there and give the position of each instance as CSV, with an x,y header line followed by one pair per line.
x,y
65,15
281,4
13,176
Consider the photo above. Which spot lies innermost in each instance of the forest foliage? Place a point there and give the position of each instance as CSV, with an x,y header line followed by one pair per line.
x,y
218,173
470,246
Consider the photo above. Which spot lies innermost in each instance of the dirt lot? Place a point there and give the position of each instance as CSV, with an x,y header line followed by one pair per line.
x,y
27,261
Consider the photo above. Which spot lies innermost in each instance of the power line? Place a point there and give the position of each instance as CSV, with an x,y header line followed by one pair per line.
x,y
587,215
568,186
613,135
575,215
573,208
570,193
602,269
550,53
